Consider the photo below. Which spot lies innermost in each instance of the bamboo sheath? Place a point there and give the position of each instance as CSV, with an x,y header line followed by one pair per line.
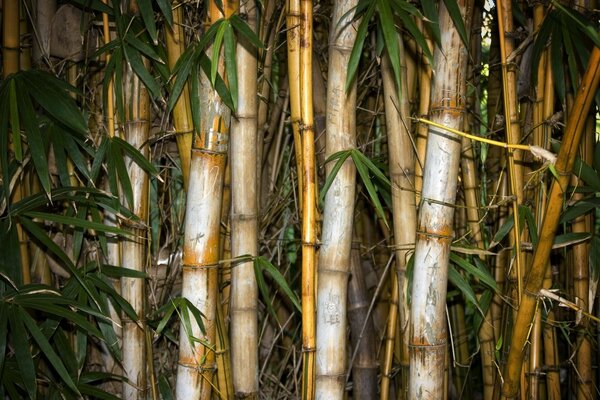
x,y
402,174
336,240
244,219
428,339
563,166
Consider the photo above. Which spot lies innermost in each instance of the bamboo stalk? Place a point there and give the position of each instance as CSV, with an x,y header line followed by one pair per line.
x,y
336,240
364,367
402,174
563,166
182,113
428,339
244,219
202,233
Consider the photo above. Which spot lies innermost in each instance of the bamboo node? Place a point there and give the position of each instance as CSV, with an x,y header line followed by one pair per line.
x,y
308,349
195,266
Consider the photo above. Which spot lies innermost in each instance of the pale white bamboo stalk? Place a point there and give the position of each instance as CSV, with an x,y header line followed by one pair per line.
x,y
336,241
244,219
428,340
133,250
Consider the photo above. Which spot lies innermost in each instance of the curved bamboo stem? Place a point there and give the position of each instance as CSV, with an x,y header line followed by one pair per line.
x,y
564,164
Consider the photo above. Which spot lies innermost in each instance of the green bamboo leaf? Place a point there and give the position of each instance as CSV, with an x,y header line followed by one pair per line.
x,y
571,59
195,97
463,286
164,388
541,40
60,157
432,20
77,222
578,209
478,271
390,36
135,60
587,173
341,157
181,73
597,157
50,329
531,224
147,13
95,5
230,63
366,179
136,156
216,49
242,28
219,84
263,287
79,161
372,167
14,122
567,239
590,30
123,176
34,140
122,272
168,310
485,300
54,360
21,349
357,48
556,60
118,56
96,393
594,262
143,47
3,328
167,12
196,313
503,231
108,291
459,24
265,265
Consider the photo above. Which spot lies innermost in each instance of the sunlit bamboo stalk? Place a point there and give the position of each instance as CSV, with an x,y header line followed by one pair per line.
x,y
244,218
428,339
202,233
338,214
182,113
563,166
404,213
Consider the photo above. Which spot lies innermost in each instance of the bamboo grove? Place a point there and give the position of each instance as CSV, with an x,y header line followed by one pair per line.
x,y
365,199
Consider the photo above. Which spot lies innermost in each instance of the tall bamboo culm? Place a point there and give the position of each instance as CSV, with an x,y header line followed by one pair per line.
x,y
428,339
201,248
541,256
336,240
244,219
133,250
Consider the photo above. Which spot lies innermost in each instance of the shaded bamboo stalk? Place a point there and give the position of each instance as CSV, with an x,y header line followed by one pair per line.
x,y
404,213
563,166
428,339
182,113
338,215
362,333
201,248
244,219
44,13
133,250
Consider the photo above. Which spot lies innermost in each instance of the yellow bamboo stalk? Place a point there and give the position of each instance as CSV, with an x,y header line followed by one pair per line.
x,y
402,172
293,53
513,130
564,164
182,113
244,218
110,107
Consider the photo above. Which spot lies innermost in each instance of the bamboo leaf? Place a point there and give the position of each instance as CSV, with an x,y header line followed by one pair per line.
x,y
196,313
54,360
432,18
165,8
461,284
230,63
147,13
242,28
567,239
216,50
3,328
21,349
121,272
263,287
181,72
357,48
136,156
571,59
219,84
459,24
135,60
587,173
578,209
485,300
95,5
143,47
478,271
265,265
14,122
341,157
366,179
166,393
502,231
386,19
77,222
594,262
541,40
123,176
194,98
556,60
531,224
